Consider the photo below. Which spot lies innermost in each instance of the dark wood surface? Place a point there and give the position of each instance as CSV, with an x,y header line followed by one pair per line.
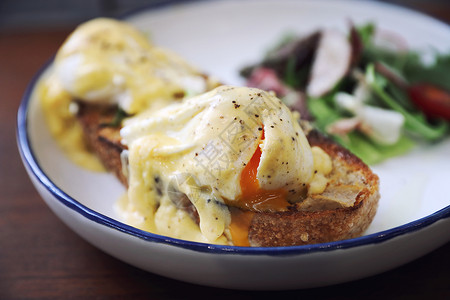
x,y
41,258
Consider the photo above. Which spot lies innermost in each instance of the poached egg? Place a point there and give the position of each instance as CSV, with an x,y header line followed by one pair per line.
x,y
110,61
228,151
105,61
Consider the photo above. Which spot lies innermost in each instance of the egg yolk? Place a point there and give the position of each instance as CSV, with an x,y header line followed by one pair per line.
x,y
253,199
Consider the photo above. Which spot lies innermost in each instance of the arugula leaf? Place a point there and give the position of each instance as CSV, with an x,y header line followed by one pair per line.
x,y
437,73
372,153
414,121
323,112
366,32
119,116
408,63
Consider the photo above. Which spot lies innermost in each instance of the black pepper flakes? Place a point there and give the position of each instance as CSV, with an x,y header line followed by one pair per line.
x,y
179,95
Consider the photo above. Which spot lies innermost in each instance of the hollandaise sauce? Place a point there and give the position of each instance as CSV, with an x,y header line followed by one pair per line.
x,y
232,152
59,115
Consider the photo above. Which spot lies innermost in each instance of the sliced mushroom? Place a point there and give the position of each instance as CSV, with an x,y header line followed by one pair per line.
x,y
331,64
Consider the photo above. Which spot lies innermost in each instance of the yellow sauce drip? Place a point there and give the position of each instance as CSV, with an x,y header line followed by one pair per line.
x,y
63,125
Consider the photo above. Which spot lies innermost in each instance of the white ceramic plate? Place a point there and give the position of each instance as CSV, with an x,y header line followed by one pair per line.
x,y
220,37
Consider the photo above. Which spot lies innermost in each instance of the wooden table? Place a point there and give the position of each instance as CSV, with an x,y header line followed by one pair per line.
x,y
41,258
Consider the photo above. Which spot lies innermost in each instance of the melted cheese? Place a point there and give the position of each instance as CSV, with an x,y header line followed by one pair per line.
x,y
199,148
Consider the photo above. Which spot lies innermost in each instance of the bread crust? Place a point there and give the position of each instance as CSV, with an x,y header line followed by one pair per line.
x,y
305,222
104,140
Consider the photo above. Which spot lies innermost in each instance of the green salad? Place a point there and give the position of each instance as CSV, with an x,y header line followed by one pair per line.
x,y
371,94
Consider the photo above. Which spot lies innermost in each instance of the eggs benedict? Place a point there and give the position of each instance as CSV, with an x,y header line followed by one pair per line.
x,y
224,152
224,165
109,62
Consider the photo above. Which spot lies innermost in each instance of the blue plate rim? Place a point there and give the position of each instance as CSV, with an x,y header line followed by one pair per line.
x,y
32,164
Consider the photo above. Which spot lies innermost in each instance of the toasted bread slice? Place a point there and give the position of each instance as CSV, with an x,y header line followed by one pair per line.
x,y
102,138
344,210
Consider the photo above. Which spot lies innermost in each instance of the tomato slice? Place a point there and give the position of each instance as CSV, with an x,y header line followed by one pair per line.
x,y
432,100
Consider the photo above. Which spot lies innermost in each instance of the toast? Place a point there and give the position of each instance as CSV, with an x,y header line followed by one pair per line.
x,y
101,138
344,210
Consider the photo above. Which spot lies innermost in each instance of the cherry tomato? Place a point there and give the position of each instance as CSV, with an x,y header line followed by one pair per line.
x,y
432,100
